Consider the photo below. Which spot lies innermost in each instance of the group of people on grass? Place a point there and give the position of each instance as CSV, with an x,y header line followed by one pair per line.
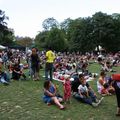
x,y
63,66
79,88
13,65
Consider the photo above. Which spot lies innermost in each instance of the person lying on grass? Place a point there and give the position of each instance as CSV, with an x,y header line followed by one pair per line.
x,y
50,95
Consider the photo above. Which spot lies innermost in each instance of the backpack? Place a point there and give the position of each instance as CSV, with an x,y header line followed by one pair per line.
x,y
116,77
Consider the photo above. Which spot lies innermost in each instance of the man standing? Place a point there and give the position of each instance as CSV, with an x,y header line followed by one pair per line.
x,y
50,56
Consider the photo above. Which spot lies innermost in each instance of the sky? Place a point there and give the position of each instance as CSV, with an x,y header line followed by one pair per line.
x,y
26,16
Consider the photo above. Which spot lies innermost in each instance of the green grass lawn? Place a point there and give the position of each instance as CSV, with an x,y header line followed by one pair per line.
x,y
22,100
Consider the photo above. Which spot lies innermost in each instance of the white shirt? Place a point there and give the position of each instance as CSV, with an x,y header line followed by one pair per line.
x,y
82,88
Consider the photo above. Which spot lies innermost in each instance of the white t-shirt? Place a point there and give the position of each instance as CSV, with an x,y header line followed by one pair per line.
x,y
82,88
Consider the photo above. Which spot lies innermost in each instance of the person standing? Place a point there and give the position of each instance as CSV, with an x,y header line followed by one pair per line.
x,y
117,90
116,84
50,57
35,61
67,88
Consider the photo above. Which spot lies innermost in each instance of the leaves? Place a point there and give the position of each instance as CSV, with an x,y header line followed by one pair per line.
x,y
6,34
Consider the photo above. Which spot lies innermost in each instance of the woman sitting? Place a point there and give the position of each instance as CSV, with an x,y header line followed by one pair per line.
x,y
50,95
104,88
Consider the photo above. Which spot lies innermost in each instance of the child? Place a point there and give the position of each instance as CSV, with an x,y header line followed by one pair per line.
x,y
83,90
67,88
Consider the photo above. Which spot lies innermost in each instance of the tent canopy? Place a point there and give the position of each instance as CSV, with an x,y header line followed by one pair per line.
x,y
2,47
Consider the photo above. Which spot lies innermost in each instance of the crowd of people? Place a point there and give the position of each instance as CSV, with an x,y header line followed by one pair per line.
x,y
71,69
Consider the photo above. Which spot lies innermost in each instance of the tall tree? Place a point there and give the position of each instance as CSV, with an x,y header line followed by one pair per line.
x,y
25,41
56,40
104,31
65,24
40,40
6,34
50,23
79,35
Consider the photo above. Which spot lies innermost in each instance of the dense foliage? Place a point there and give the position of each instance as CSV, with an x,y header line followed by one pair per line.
x,y
81,34
6,34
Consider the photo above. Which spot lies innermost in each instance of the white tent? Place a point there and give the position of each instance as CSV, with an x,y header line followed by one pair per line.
x,y
99,47
2,47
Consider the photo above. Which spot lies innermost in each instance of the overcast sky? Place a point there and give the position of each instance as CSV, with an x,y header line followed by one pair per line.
x,y
26,16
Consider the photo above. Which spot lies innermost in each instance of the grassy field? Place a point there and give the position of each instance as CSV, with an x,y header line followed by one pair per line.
x,y
22,100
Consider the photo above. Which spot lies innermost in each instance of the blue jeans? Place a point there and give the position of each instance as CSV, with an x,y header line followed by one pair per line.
x,y
89,100
4,78
93,97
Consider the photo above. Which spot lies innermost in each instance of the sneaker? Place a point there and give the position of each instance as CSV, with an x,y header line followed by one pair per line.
x,y
94,104
96,101
99,101
104,95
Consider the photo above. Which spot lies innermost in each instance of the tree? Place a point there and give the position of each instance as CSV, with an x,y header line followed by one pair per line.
x,y
40,40
25,41
55,39
79,35
65,24
3,24
104,31
82,34
6,34
50,23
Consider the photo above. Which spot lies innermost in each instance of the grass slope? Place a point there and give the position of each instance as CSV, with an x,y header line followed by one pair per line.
x,y
22,100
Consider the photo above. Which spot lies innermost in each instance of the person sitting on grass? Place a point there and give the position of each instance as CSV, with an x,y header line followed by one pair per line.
x,y
17,72
3,75
89,97
107,67
83,90
50,95
104,88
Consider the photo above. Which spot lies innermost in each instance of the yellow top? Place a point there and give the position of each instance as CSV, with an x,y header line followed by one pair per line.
x,y
50,56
